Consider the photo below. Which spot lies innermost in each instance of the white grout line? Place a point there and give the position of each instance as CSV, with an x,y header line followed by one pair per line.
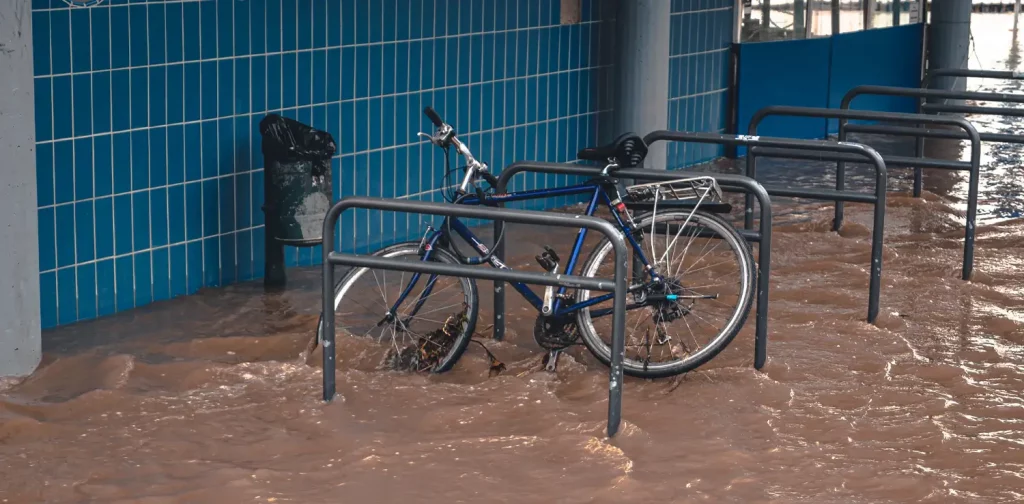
x,y
92,128
74,178
152,249
324,104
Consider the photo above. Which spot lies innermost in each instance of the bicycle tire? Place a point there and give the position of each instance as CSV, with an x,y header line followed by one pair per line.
x,y
441,255
737,244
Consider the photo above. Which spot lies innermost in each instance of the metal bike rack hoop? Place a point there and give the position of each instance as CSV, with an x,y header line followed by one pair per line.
x,y
728,183
844,115
820,149
968,72
920,95
331,258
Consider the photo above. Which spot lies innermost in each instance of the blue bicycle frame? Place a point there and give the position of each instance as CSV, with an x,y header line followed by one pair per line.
x,y
598,194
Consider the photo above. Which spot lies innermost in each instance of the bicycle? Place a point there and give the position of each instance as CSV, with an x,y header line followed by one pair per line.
x,y
683,208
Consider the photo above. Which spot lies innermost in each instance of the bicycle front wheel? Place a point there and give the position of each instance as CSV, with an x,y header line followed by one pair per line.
x,y
701,304
428,330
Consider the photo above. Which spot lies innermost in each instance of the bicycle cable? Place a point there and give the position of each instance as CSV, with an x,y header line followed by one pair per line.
x,y
452,196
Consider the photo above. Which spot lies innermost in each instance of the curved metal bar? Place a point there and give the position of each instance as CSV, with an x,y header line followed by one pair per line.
x,y
926,93
617,285
967,72
897,117
825,148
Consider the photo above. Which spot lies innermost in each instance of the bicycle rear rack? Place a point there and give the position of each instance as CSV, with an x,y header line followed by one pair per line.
x,y
691,188
331,258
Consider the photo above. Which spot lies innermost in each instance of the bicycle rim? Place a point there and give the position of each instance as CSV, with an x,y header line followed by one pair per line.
x,y
700,256
433,324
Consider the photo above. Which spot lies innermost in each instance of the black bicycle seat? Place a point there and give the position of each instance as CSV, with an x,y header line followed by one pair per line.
x,y
628,151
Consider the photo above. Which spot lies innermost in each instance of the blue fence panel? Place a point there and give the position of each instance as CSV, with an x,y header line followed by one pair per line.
x,y
882,57
792,72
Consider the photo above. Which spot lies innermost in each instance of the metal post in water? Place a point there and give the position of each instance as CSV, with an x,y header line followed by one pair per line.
x,y
837,221
766,18
618,336
327,310
835,17
799,18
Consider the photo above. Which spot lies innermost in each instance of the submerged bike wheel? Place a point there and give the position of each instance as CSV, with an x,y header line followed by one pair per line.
x,y
432,326
701,304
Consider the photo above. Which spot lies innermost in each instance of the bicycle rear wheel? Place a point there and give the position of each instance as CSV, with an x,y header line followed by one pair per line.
x,y
432,326
694,253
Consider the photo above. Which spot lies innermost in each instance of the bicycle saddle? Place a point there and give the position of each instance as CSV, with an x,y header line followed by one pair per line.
x,y
628,151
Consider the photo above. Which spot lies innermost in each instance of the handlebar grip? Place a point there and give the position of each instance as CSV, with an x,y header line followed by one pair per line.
x,y
491,179
432,115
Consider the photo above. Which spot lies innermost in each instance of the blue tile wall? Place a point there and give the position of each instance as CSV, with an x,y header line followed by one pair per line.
x,y
701,34
149,164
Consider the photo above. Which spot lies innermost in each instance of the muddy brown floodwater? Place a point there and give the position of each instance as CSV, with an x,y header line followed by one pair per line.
x,y
213,398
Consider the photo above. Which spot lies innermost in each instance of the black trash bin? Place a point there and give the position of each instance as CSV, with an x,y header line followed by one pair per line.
x,y
297,188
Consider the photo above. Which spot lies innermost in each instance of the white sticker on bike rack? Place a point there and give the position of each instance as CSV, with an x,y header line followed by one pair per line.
x,y
747,138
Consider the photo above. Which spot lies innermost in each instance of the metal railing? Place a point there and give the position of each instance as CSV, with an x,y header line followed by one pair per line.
x,y
728,183
331,258
890,161
920,95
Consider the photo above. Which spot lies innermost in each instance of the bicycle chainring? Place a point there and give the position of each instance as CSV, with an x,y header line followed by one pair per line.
x,y
555,333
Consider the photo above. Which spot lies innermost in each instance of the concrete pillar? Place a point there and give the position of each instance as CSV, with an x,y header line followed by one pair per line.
x,y
20,341
643,60
949,41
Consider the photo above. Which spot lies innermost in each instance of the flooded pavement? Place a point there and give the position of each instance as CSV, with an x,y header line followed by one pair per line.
x,y
215,398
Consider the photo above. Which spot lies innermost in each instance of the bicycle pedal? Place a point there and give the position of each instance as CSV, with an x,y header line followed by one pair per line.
x,y
548,259
551,253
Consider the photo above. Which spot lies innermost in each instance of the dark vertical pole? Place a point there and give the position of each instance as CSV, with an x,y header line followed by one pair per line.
x,y
896,10
878,228
799,16
327,345
499,286
835,17
919,141
837,222
836,14
618,337
766,18
764,259
972,205
748,199
919,154
274,276
733,116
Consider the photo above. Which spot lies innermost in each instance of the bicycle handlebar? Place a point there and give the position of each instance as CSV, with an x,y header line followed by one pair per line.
x,y
433,116
446,135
